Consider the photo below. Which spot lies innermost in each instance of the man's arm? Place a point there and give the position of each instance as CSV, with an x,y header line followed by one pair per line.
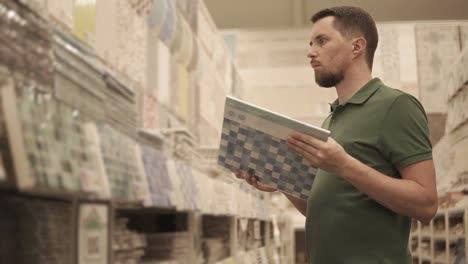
x,y
300,204
414,195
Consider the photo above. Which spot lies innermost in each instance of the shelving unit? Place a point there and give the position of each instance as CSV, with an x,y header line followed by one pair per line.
x,y
445,240
76,127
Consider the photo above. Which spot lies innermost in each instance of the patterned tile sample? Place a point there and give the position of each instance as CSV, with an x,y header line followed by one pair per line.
x,y
169,24
119,158
140,183
100,183
177,197
188,185
93,232
159,181
132,39
267,157
57,154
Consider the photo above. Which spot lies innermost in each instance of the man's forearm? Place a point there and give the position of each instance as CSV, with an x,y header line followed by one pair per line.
x,y
300,204
403,196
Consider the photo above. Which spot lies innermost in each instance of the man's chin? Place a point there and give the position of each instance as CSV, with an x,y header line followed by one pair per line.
x,y
324,86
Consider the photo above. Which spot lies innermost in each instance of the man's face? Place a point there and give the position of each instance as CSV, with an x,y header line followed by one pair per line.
x,y
329,53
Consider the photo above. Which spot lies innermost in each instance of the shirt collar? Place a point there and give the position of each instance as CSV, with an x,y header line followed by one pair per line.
x,y
361,96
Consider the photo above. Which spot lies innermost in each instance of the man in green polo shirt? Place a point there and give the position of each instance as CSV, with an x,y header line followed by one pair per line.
x,y
376,170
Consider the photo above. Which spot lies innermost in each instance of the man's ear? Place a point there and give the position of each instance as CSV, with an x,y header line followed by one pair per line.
x,y
359,46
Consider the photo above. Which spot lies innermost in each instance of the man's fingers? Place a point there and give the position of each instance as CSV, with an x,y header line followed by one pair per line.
x,y
250,179
300,146
314,142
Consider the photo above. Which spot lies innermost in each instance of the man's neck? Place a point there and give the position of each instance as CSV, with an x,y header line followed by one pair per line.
x,y
353,82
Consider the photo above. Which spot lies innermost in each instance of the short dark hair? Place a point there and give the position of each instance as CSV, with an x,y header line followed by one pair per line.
x,y
352,21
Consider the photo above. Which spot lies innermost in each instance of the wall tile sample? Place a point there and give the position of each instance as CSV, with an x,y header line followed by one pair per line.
x,y
177,197
99,183
140,183
188,186
93,232
48,141
159,181
119,159
122,40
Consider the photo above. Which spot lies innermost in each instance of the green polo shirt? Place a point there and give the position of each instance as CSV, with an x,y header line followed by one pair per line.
x,y
385,129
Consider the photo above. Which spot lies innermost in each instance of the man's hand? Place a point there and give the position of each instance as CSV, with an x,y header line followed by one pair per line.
x,y
250,179
329,156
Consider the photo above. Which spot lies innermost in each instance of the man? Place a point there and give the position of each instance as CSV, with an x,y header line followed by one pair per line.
x,y
375,170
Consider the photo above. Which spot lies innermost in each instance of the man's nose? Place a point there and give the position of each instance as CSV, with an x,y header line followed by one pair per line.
x,y
312,53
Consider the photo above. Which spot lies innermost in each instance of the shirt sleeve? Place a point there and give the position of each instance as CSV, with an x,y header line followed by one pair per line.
x,y
404,138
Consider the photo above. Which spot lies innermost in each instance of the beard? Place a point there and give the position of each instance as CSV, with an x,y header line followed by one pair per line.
x,y
328,79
